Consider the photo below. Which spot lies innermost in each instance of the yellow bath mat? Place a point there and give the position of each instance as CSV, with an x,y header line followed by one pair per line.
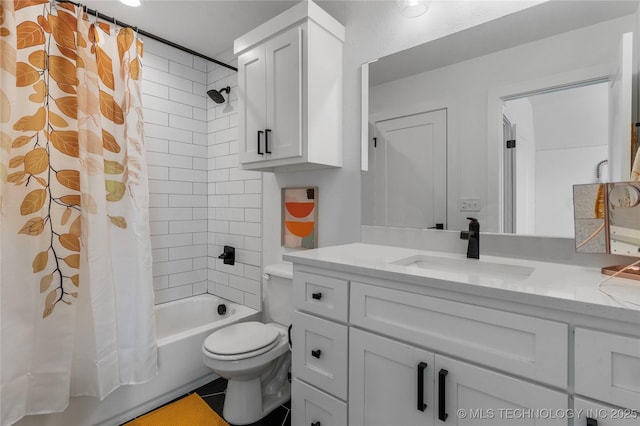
x,y
188,411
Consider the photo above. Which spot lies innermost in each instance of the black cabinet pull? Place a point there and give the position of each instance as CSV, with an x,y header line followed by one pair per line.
x,y
266,140
316,353
442,409
317,295
315,424
259,133
421,405
591,422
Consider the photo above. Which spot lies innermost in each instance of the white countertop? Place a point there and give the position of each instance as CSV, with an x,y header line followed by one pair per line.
x,y
557,286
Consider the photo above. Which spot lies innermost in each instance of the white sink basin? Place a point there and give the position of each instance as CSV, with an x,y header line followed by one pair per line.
x,y
472,268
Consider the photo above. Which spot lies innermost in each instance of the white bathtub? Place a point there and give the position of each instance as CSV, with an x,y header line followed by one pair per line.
x,y
181,327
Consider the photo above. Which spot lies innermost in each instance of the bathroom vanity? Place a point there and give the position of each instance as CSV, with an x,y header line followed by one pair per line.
x,y
394,336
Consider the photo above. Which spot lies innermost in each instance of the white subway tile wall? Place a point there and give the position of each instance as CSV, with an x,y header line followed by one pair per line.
x,y
231,223
199,199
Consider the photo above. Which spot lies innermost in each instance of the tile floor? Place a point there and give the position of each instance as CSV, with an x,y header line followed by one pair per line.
x,y
213,394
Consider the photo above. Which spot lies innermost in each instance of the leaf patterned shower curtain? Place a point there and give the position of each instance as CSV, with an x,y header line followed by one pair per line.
x,y
76,294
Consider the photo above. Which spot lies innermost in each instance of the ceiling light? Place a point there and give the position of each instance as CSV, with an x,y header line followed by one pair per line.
x,y
412,8
133,3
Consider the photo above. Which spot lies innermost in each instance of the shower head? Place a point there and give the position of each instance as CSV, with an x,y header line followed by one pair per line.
x,y
217,95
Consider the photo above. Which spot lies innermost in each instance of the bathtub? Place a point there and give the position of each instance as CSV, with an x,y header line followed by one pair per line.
x,y
181,328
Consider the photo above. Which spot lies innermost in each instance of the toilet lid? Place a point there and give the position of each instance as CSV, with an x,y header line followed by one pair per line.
x,y
241,338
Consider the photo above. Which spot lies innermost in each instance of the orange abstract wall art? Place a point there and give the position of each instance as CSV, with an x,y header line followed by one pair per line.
x,y
300,217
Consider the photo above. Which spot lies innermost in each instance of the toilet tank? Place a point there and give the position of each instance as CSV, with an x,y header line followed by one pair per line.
x,y
278,293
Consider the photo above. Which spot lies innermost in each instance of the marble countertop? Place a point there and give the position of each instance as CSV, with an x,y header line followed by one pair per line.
x,y
558,286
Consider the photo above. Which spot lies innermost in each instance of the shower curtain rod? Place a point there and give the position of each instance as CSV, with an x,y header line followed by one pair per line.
x,y
146,34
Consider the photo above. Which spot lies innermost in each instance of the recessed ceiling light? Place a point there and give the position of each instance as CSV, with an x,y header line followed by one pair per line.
x,y
412,8
133,3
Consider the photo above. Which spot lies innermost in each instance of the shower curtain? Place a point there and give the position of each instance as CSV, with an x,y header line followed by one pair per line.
x,y
76,294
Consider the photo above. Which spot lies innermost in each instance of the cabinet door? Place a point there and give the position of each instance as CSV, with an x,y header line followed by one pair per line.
x,y
589,413
608,367
283,134
252,102
470,395
384,381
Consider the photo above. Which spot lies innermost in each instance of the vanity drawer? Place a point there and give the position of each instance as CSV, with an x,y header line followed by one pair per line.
x,y
321,295
589,413
525,346
320,353
608,367
310,406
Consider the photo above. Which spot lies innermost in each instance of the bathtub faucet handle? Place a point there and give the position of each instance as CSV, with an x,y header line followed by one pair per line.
x,y
228,256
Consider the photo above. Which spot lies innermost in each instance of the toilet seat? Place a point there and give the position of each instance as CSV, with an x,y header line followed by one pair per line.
x,y
241,341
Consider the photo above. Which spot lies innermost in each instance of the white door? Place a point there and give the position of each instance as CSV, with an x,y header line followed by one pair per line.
x,y
620,119
415,148
252,102
283,131
385,378
470,395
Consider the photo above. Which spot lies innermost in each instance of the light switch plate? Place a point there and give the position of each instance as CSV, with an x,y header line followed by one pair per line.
x,y
469,204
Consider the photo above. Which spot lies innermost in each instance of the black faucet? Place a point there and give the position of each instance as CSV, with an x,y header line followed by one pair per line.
x,y
473,235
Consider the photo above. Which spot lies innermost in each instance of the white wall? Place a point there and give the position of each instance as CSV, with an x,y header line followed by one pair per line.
x,y
235,199
199,199
467,84
175,114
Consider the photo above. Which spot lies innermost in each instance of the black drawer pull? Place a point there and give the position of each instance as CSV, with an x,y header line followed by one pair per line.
x,y
442,409
421,405
591,422
315,424
317,295
266,140
316,353
259,133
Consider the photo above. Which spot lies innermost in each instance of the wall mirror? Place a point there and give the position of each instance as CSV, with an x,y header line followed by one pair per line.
x,y
440,120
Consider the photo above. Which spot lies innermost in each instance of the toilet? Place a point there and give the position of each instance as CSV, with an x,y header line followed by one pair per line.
x,y
254,356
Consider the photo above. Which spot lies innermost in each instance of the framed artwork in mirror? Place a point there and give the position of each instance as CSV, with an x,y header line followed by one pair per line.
x,y
607,220
300,217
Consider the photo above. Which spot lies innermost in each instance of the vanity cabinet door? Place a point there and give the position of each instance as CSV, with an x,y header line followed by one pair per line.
x,y
470,395
608,367
385,377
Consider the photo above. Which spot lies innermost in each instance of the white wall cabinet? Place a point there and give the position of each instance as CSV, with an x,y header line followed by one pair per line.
x,y
290,91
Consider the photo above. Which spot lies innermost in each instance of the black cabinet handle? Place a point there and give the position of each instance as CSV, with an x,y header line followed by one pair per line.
x,y
591,422
316,353
259,133
315,424
442,409
266,140
317,295
421,405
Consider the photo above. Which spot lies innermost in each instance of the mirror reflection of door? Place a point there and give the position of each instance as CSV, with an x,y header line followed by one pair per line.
x,y
560,138
414,195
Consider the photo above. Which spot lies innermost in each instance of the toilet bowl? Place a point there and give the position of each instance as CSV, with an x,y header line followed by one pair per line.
x,y
253,356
